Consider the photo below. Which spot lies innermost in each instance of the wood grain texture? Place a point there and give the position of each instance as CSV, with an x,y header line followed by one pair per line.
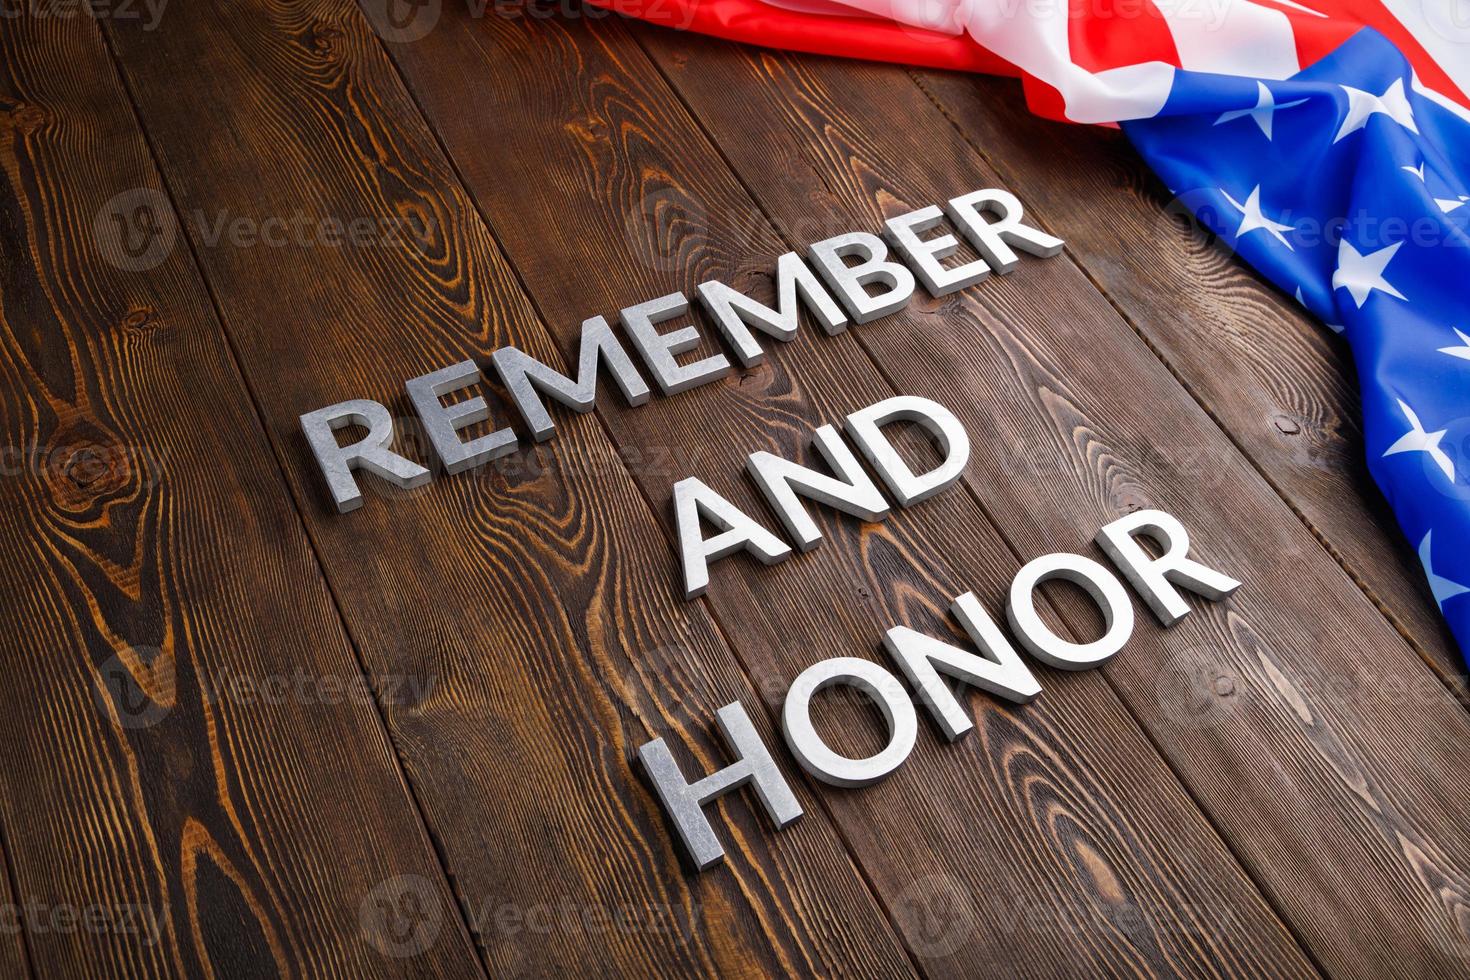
x,y
1313,736
15,958
535,592
1276,380
170,820
1057,817
1273,787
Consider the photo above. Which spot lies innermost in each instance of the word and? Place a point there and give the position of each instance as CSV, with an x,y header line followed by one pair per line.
x,y
851,490
846,279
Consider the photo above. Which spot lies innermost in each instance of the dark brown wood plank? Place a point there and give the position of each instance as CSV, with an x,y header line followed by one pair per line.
x,y
1058,816
535,591
164,822
1281,709
15,958
1275,378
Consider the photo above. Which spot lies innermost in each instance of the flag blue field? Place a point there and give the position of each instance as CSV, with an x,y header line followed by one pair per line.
x,y
1345,186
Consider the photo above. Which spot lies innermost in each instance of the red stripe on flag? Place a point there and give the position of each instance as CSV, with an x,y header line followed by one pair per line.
x,y
755,22
1103,34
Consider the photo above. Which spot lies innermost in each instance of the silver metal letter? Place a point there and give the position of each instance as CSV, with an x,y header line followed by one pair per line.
x,y
735,313
658,349
850,283
694,500
924,254
1097,582
993,239
885,690
1152,577
1000,671
371,452
442,422
865,428
684,801
523,376
783,482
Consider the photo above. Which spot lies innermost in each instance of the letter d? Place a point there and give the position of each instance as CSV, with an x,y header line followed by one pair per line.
x,y
865,429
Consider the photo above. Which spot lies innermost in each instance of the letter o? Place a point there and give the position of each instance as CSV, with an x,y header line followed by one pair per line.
x,y
1105,590
883,688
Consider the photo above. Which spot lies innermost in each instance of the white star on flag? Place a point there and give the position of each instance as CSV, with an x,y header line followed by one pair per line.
x,y
1416,440
1361,274
1264,109
1416,171
1448,204
1460,352
1443,589
1254,219
1393,103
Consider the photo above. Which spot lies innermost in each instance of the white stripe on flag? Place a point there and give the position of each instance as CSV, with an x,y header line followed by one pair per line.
x,y
1443,27
1032,35
1231,37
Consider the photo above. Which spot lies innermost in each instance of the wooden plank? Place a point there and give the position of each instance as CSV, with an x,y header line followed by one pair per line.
x,y
167,818
535,591
15,960
582,160
1284,710
1275,379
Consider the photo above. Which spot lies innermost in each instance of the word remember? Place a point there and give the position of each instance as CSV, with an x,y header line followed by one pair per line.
x,y
848,278
926,662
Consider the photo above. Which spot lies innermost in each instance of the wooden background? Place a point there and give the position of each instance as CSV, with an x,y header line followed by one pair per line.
x,y
245,736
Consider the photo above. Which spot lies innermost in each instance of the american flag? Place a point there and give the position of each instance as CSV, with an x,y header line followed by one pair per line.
x,y
1326,141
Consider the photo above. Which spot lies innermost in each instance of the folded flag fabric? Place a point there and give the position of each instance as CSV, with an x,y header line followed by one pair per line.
x,y
1326,141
